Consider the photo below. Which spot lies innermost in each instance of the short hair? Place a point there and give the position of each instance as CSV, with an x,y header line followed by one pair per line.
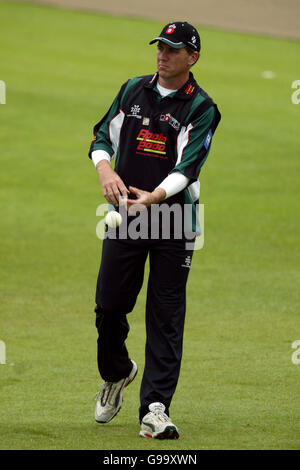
x,y
190,51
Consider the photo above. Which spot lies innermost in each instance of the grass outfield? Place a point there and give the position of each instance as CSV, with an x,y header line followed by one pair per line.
x,y
238,387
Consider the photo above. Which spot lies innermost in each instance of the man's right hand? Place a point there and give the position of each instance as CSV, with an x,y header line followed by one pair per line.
x,y
111,183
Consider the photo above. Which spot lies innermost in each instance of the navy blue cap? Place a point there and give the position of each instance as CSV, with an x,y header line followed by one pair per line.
x,y
178,35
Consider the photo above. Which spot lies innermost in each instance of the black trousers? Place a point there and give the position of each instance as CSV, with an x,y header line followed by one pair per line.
x,y
120,279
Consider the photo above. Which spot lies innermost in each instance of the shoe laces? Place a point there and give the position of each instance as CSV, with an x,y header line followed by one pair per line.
x,y
158,411
106,393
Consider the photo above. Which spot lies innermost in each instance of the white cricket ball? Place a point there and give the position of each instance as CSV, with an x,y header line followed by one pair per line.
x,y
113,219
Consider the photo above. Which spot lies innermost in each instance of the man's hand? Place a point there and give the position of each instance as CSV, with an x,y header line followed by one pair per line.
x,y
112,185
145,198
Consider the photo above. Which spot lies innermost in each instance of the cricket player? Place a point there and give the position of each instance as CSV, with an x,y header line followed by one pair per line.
x,y
159,131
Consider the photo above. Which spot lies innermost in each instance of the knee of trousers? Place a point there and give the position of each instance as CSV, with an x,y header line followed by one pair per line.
x,y
102,314
99,317
114,303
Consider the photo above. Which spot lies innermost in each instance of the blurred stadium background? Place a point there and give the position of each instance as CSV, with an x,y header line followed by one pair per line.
x,y
268,17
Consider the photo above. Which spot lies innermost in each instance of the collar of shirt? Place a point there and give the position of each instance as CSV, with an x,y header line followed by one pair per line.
x,y
186,92
164,91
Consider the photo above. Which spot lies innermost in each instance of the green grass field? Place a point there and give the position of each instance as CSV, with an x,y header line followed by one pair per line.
x,y
238,387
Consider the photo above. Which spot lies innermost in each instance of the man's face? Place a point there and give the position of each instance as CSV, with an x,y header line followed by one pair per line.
x,y
172,62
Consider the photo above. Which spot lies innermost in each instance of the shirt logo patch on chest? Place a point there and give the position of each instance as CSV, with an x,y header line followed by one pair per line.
x,y
135,111
171,120
151,143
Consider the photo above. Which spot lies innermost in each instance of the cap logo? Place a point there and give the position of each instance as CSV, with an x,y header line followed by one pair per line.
x,y
171,29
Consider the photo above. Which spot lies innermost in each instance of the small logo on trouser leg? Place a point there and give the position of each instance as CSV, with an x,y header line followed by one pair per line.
x,y
187,262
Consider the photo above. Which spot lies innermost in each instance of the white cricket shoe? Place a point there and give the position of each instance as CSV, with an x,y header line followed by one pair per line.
x,y
109,398
157,424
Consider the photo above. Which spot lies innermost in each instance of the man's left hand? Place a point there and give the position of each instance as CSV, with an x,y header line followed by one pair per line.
x,y
145,198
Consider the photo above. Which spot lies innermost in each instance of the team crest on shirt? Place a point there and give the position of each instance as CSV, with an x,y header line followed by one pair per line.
x,y
135,111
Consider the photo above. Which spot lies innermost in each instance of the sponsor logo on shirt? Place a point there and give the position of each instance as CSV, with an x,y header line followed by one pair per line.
x,y
208,139
171,120
151,143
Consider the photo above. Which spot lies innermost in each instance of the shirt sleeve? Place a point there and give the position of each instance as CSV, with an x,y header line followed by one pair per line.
x,y
99,155
107,131
174,183
194,142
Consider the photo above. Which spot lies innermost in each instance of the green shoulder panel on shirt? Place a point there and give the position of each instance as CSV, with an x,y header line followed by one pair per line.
x,y
130,84
206,118
192,159
197,101
102,141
